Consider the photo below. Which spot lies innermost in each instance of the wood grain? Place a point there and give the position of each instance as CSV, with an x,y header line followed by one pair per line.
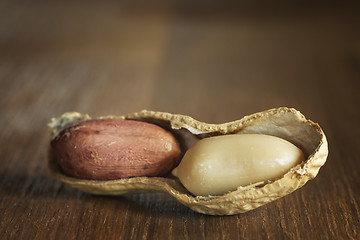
x,y
213,61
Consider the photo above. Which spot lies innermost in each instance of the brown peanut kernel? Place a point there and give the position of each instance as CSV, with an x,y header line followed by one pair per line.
x,y
106,149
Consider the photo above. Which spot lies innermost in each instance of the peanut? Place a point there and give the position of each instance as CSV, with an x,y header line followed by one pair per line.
x,y
217,165
107,149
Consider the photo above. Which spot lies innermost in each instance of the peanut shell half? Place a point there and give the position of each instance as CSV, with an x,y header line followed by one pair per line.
x,y
286,123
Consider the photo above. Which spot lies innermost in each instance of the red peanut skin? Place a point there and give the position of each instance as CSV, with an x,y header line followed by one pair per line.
x,y
107,149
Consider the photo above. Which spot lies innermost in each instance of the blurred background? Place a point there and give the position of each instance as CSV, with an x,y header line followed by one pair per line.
x,y
216,61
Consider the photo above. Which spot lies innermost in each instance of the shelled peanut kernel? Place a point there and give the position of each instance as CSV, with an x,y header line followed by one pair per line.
x,y
217,165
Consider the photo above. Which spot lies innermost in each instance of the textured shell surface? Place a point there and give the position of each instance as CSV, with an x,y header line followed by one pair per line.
x,y
283,122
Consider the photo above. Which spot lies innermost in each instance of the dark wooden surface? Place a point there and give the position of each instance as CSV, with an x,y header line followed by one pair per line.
x,y
216,62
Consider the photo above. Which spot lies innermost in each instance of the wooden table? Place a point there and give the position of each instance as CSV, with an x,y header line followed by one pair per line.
x,y
216,62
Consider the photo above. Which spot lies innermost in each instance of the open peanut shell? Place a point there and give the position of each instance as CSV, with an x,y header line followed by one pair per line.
x,y
286,123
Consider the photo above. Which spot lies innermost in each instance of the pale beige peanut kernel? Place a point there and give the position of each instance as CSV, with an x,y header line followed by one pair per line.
x,y
216,165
